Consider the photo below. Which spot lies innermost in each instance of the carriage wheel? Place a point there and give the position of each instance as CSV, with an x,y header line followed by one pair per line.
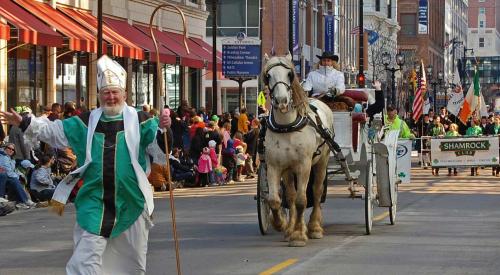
x,y
394,207
367,177
369,199
263,209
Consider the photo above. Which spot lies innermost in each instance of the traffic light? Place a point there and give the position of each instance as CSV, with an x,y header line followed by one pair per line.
x,y
361,80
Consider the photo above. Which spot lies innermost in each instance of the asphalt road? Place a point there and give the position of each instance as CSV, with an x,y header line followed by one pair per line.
x,y
444,226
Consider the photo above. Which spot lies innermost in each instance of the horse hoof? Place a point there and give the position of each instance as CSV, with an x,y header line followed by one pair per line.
x,y
316,235
296,243
280,227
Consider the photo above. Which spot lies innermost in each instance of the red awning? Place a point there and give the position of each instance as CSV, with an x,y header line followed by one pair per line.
x,y
80,39
141,39
29,28
121,46
207,46
188,60
4,32
195,48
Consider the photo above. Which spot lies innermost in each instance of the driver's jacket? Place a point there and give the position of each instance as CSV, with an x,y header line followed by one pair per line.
x,y
322,79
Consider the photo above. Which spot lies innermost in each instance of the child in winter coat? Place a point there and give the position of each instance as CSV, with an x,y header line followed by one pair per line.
x,y
229,160
240,162
205,167
215,161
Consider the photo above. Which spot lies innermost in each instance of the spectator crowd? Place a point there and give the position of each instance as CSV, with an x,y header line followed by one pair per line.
x,y
206,150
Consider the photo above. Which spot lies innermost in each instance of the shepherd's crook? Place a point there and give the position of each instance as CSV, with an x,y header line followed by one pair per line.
x,y
165,138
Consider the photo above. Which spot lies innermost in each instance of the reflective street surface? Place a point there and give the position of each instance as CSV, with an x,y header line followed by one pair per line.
x,y
445,225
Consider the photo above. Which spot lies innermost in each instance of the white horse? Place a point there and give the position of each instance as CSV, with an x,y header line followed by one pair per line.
x,y
293,155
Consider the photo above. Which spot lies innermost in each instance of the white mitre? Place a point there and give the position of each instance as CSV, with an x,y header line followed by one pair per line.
x,y
110,74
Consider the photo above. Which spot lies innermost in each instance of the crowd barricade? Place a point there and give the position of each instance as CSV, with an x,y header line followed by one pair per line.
x,y
456,152
425,150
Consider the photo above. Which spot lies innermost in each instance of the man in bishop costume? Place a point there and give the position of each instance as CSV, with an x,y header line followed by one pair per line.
x,y
115,202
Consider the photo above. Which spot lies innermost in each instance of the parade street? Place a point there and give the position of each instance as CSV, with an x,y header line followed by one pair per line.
x,y
445,225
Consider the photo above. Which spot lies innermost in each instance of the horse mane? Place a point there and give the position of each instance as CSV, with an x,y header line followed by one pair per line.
x,y
300,101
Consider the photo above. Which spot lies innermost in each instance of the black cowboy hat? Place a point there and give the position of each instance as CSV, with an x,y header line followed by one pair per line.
x,y
329,55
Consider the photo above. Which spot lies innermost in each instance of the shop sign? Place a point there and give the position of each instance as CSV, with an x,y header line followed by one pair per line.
x,y
481,151
241,57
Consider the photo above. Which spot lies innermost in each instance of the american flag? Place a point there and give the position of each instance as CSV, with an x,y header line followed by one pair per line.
x,y
418,103
356,30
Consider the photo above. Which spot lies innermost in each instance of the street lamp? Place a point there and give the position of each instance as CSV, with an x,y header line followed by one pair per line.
x,y
441,82
400,61
434,83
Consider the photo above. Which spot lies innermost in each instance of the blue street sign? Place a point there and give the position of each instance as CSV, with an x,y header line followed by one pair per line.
x,y
241,60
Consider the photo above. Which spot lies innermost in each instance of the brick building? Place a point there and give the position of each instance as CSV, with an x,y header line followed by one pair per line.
x,y
423,37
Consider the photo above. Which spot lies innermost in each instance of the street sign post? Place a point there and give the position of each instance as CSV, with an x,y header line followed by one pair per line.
x,y
241,60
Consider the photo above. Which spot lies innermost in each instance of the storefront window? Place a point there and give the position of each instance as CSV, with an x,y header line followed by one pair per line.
x,y
230,99
142,83
83,91
172,80
71,77
26,77
251,100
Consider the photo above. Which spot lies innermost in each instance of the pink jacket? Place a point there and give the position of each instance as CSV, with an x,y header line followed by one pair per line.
x,y
213,156
204,164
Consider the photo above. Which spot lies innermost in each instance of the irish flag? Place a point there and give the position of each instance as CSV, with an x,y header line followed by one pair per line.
x,y
473,100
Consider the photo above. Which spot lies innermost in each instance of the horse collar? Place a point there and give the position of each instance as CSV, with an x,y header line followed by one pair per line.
x,y
299,123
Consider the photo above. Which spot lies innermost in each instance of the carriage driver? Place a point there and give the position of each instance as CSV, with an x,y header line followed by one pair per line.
x,y
326,79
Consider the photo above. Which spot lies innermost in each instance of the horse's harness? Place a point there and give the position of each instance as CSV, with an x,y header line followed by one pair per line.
x,y
291,76
299,123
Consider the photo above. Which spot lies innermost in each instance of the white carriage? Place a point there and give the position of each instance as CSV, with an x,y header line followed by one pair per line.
x,y
370,166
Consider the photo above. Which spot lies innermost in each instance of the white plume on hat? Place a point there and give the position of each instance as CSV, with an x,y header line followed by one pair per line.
x,y
110,74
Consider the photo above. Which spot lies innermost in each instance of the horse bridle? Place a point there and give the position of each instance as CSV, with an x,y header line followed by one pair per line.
x,y
288,86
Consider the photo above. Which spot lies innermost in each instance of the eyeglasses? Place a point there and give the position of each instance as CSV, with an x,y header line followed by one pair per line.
x,y
13,149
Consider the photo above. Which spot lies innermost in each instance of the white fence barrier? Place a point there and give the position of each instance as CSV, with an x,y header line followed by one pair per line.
x,y
403,153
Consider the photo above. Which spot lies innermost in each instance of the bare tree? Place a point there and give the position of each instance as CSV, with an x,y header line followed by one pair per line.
x,y
375,50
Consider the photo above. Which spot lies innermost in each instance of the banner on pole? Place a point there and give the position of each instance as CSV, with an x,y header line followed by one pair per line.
x,y
329,33
453,152
403,153
295,27
423,17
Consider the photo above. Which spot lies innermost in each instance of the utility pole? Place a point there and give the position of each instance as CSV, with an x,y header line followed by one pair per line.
x,y
361,75
290,26
99,28
215,98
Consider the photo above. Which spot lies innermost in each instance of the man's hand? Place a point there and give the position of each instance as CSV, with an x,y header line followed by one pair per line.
x,y
377,85
12,117
165,120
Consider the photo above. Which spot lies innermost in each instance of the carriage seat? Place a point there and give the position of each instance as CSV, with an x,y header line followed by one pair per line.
x,y
346,101
356,95
357,119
